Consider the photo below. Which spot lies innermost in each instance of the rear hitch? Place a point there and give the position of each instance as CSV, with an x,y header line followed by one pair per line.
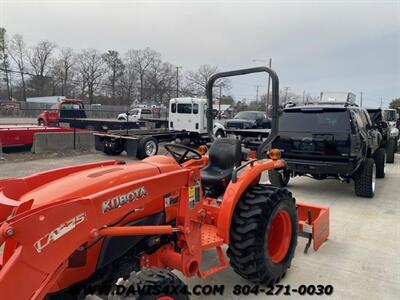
x,y
313,224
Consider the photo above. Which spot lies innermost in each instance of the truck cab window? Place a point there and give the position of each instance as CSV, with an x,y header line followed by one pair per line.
x,y
184,108
195,108
173,108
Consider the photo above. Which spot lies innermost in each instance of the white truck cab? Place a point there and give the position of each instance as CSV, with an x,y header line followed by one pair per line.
x,y
390,115
189,114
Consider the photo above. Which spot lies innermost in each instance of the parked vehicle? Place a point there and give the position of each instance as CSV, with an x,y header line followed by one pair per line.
x,y
144,114
388,130
330,141
71,113
249,120
187,125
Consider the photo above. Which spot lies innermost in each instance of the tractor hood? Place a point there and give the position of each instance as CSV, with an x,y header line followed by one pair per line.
x,y
87,182
77,182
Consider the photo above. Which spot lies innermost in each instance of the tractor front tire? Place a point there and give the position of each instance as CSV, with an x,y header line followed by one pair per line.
x,y
279,178
263,235
155,283
390,151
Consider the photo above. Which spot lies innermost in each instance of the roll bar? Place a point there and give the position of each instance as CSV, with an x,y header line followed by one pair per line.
x,y
275,103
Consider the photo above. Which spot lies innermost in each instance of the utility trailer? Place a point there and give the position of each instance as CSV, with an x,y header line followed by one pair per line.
x,y
187,125
19,136
71,113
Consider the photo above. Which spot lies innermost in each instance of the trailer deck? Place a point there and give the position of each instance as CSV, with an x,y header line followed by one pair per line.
x,y
23,135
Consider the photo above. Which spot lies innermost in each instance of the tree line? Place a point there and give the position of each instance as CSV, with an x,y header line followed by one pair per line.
x,y
136,76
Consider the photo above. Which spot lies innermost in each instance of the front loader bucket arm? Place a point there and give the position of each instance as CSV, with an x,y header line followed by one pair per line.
x,y
38,241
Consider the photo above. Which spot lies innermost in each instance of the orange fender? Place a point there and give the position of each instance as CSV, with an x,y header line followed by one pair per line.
x,y
234,191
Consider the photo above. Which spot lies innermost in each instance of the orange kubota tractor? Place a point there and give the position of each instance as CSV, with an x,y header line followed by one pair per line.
x,y
93,224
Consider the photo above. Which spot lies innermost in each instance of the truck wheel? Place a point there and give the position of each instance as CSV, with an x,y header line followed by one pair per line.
x,y
263,235
147,146
364,179
279,179
380,161
390,150
41,122
148,281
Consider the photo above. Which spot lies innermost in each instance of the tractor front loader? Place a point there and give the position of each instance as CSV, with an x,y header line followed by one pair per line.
x,y
65,230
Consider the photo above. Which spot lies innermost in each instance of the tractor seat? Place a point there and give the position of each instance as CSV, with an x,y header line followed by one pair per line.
x,y
224,155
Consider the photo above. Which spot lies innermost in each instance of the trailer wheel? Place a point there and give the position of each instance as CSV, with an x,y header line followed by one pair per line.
x,y
380,161
279,178
144,284
263,234
113,148
364,179
147,146
390,150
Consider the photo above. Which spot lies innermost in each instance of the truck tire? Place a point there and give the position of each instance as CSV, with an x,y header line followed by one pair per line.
x,y
279,179
147,146
380,161
390,150
258,253
150,281
364,179
41,122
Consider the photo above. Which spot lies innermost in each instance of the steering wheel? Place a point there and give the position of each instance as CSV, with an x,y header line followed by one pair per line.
x,y
182,157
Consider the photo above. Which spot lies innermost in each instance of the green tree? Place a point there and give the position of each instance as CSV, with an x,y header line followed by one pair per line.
x,y
395,103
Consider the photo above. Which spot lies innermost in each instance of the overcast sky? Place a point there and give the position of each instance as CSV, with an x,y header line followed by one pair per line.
x,y
315,46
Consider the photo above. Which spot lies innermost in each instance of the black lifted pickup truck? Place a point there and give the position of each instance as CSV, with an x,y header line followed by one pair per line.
x,y
330,141
249,120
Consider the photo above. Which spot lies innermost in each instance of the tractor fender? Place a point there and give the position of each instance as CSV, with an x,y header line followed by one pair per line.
x,y
235,190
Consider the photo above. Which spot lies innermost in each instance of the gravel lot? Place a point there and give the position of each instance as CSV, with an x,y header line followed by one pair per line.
x,y
360,259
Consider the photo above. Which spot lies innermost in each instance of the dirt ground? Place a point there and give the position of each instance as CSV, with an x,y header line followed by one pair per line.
x,y
360,259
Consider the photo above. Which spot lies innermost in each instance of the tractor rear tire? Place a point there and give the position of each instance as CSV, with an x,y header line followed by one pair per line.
x,y
279,178
147,146
263,235
390,151
151,281
364,179
380,161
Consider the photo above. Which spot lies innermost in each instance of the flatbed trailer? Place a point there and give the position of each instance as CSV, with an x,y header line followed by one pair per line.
x,y
100,124
250,138
18,136
142,143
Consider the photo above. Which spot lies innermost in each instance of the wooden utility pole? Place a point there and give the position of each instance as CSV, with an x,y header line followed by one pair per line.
x,y
177,81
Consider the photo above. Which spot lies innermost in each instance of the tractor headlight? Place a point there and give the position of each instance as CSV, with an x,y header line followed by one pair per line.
x,y
202,149
274,154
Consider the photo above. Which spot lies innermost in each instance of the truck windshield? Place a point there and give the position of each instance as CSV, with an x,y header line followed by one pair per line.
x,y
247,115
375,115
71,106
390,115
321,121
